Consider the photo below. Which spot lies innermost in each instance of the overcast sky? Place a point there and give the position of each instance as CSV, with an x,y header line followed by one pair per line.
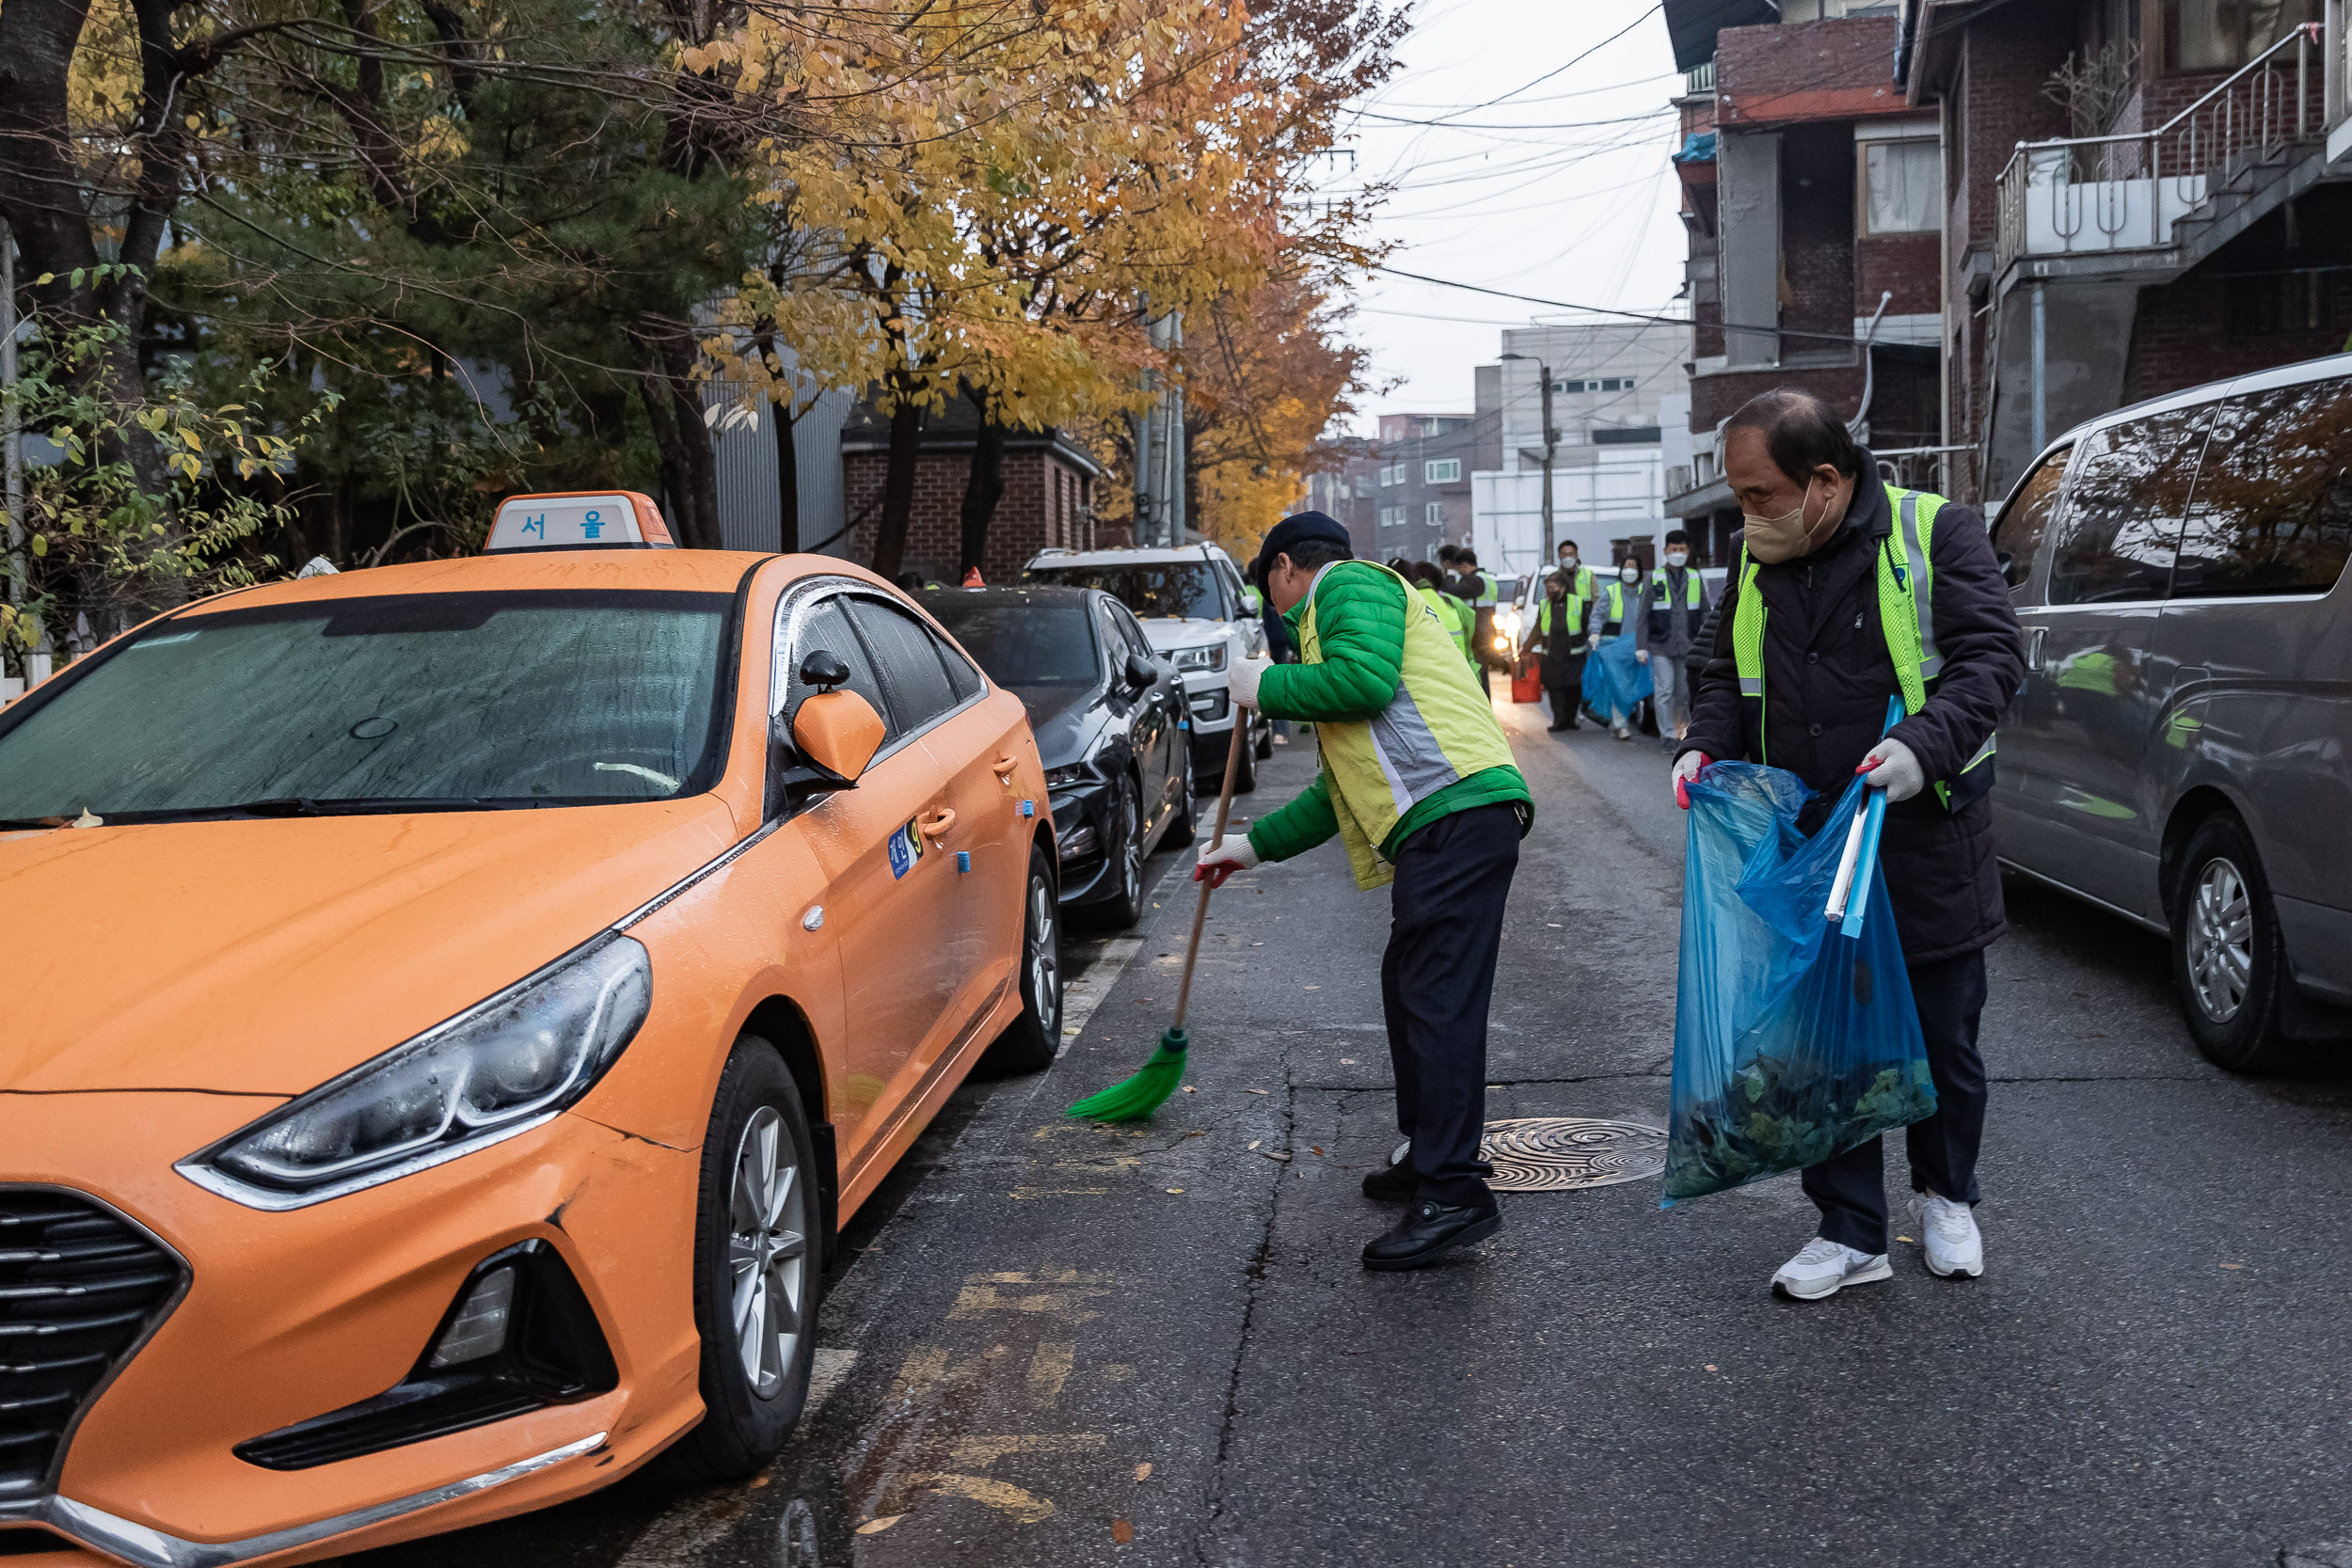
x,y
1554,185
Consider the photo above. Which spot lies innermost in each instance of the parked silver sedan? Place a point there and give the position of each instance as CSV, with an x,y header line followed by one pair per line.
x,y
2178,754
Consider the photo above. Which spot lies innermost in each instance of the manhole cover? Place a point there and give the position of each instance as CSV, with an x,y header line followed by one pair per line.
x,y
1552,1154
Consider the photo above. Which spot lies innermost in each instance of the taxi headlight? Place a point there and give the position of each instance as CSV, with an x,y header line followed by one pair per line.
x,y
1209,656
487,1074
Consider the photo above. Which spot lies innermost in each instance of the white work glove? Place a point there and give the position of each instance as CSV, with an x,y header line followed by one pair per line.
x,y
1687,768
1221,860
1593,642
1892,767
1641,655
1242,677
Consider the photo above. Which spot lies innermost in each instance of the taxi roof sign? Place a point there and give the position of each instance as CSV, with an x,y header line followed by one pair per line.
x,y
579,521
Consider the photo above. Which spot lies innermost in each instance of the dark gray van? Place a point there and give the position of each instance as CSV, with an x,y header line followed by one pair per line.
x,y
2178,752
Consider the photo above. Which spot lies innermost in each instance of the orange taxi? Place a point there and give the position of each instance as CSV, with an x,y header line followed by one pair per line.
x,y
451,1009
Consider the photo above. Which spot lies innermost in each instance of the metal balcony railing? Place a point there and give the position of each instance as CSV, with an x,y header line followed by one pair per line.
x,y
2091,194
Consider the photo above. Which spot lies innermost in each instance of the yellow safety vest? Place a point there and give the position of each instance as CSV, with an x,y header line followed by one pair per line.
x,y
1906,593
1437,730
1574,616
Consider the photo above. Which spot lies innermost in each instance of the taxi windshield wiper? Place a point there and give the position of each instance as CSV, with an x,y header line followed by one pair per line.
x,y
365,805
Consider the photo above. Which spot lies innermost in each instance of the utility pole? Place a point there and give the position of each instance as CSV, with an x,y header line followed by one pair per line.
x,y
1552,440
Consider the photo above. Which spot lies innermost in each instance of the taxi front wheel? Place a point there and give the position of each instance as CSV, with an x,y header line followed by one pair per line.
x,y
755,1269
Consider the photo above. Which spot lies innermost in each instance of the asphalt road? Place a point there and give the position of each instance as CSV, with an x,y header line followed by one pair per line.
x,y
1055,1343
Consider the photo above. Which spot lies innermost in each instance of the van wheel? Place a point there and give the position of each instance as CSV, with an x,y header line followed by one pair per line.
x,y
755,1269
2227,961
1028,1043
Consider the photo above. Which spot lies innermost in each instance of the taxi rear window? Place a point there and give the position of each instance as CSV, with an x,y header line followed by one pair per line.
x,y
408,702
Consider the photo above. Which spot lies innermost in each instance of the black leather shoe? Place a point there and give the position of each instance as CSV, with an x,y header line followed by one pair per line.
x,y
1428,1232
1391,1184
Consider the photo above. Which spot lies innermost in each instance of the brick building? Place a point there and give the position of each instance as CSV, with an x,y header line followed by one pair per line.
x,y
1421,485
1811,198
1048,498
2144,194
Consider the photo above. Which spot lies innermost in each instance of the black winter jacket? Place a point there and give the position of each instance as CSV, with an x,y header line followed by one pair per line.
x,y
1827,676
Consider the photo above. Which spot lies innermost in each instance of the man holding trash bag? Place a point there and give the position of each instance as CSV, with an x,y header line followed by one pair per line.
x,y
1417,785
1849,591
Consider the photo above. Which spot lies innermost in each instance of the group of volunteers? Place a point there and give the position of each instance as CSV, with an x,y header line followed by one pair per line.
x,y
1846,592
1664,616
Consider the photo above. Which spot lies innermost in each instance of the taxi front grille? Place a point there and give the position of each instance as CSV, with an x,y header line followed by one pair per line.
x,y
79,1287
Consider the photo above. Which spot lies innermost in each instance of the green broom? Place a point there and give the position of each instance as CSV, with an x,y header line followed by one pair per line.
x,y
1136,1098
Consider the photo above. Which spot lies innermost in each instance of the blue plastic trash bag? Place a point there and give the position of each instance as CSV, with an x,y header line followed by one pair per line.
x,y
1614,680
1792,1041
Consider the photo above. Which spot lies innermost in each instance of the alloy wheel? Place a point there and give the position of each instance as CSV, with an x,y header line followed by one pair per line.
x,y
1131,852
1044,956
2221,940
768,1252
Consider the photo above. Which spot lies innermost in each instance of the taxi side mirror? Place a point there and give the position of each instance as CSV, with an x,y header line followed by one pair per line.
x,y
838,732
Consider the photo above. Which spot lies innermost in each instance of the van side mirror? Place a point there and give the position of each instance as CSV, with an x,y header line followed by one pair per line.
x,y
1253,601
836,732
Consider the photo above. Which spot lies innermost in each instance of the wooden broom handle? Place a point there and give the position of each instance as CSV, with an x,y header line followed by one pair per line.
x,y
1224,812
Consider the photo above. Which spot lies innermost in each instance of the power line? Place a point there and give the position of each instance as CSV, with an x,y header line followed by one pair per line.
x,y
1557,70
1622,315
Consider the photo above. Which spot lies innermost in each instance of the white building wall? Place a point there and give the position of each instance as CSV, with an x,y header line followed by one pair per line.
x,y
1622,495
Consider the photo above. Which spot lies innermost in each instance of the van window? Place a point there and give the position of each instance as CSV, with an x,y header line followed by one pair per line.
x,y
2018,534
2273,509
2115,533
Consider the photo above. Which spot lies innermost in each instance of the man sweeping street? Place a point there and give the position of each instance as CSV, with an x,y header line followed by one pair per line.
x,y
1848,592
1417,783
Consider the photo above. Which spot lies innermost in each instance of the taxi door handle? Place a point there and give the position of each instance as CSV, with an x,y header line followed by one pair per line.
x,y
1005,765
938,824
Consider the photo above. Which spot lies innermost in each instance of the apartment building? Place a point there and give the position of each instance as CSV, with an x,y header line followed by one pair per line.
x,y
1812,198
1347,490
2142,196
1611,386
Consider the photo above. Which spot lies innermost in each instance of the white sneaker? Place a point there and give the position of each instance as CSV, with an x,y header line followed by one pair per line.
x,y
1824,1267
1953,1247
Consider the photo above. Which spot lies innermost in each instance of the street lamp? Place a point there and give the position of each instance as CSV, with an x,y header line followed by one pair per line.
x,y
1552,438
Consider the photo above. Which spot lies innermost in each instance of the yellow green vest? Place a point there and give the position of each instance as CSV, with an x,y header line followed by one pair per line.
x,y
1437,730
1575,617
1456,623
1906,594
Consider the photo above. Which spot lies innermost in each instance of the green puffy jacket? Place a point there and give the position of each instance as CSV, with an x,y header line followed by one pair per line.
x,y
1361,613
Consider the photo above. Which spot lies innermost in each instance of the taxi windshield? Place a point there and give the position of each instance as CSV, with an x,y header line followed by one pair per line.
x,y
1179,588
398,702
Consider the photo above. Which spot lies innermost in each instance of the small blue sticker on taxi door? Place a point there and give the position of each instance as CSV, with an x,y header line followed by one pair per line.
x,y
906,848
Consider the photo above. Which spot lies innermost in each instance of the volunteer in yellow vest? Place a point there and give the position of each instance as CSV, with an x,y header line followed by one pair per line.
x,y
1417,785
1615,615
1451,612
1848,592
1581,576
1668,633
1559,648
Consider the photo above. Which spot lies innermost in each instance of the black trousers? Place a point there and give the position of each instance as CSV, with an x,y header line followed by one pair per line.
x,y
1437,979
1565,700
1849,1189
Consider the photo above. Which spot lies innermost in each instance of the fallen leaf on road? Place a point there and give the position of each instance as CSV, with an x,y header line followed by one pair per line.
x,y
1314,987
1276,1154
1175,1191
1552,925
1198,1133
1317,1150
1906,1238
2234,1265
1143,1471
1257,945
1191,1089
759,1481
1255,1142
1073,1030
1121,1531
875,1526
1711,1366
1347,1061
1253,1091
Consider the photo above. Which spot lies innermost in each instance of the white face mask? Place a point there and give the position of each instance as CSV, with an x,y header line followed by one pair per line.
x,y
1785,537
1631,573
1567,559
1677,558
